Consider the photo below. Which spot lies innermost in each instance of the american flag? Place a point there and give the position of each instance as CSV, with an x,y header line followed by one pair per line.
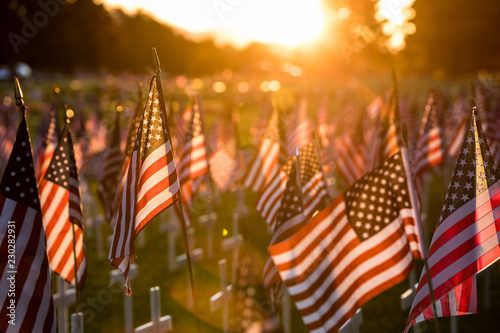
x,y
300,129
314,186
34,307
322,124
193,161
181,121
193,157
456,126
46,143
61,207
466,240
349,158
429,151
270,156
492,122
7,132
258,127
375,107
81,146
151,185
363,243
224,165
387,139
129,145
97,134
109,175
290,219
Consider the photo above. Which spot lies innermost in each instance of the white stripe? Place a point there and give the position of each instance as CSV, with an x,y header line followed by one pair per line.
x,y
158,153
326,223
156,178
457,266
153,203
6,215
270,163
43,310
128,193
360,291
439,309
70,264
452,299
29,286
23,236
466,209
345,263
464,236
59,196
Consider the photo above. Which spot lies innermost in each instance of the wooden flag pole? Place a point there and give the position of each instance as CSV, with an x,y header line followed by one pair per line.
x,y
179,201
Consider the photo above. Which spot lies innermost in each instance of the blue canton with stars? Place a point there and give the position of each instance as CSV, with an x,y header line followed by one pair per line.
x,y
291,204
63,165
18,181
376,199
464,185
152,130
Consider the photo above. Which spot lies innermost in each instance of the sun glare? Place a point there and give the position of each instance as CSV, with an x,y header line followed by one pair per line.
x,y
395,17
239,22
288,22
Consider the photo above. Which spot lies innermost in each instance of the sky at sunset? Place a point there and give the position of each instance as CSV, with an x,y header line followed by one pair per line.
x,y
238,22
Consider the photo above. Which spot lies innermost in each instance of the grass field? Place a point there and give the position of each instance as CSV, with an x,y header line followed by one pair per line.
x,y
102,304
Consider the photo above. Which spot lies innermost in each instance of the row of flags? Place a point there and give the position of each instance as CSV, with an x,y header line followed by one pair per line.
x,y
367,239
333,255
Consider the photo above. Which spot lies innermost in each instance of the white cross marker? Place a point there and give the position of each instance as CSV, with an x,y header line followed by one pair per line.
x,y
233,243
352,325
89,205
116,276
157,324
77,322
221,298
62,300
95,223
172,227
209,221
241,208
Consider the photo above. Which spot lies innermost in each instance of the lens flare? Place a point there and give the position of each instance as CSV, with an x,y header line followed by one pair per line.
x,y
395,16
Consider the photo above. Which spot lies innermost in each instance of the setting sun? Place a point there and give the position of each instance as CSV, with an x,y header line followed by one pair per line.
x,y
239,22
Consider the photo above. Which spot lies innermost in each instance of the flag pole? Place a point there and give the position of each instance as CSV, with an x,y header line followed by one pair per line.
x,y
297,172
413,197
18,92
77,290
178,201
207,151
317,143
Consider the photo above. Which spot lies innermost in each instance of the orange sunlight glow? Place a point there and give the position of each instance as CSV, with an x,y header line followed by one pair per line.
x,y
395,16
238,22
289,23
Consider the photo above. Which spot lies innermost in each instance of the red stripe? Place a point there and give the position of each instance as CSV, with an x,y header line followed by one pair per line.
x,y
464,223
